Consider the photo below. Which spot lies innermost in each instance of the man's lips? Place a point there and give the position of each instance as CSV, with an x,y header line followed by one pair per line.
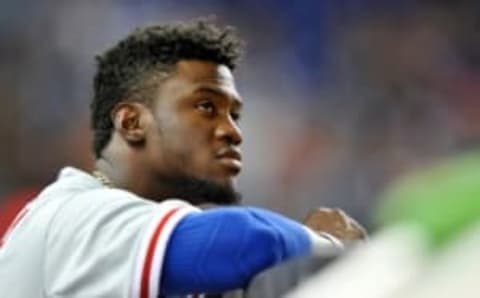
x,y
230,153
231,158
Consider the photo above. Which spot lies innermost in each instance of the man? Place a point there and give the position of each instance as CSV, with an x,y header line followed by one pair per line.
x,y
166,137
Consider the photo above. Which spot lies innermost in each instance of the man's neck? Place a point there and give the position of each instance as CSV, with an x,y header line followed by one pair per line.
x,y
132,177
126,170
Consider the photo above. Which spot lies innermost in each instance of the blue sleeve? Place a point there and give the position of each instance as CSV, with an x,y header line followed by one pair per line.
x,y
222,249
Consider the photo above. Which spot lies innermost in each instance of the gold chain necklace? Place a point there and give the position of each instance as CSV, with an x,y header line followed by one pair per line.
x,y
102,178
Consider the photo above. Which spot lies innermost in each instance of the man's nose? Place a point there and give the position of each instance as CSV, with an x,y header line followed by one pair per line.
x,y
229,131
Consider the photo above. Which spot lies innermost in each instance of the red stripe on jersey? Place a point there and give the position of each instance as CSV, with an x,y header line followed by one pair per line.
x,y
147,267
13,225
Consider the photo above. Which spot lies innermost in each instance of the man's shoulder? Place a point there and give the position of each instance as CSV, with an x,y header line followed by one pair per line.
x,y
76,191
72,182
77,194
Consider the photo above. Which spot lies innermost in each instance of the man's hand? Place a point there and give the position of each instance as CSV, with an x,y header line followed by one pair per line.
x,y
336,223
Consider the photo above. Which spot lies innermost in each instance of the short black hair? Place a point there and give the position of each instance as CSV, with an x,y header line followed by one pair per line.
x,y
123,70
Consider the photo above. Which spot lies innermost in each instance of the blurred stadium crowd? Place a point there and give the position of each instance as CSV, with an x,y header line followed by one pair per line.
x,y
341,96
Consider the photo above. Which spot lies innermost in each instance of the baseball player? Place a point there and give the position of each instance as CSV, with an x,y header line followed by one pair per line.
x,y
166,138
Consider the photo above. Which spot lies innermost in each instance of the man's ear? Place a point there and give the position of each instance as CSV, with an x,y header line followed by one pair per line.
x,y
130,120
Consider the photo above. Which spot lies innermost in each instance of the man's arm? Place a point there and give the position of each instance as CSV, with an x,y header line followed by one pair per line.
x,y
223,249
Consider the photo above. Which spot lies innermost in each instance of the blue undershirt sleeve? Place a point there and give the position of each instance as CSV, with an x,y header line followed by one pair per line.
x,y
222,249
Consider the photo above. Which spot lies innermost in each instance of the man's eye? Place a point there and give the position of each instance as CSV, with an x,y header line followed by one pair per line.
x,y
206,106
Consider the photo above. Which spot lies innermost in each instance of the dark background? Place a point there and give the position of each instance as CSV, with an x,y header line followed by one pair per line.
x,y
341,96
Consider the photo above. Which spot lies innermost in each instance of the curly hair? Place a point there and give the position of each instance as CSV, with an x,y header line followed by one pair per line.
x,y
123,71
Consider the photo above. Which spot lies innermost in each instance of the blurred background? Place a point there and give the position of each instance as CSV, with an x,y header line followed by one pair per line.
x,y
341,97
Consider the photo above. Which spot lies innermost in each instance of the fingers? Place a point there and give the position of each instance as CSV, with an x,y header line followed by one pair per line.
x,y
335,222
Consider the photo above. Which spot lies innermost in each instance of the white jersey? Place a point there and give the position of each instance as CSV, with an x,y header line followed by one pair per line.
x,y
79,239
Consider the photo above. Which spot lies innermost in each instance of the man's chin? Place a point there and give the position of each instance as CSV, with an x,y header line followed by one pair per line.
x,y
199,191
220,192
225,181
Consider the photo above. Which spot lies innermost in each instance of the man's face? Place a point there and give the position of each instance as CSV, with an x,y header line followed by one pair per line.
x,y
196,132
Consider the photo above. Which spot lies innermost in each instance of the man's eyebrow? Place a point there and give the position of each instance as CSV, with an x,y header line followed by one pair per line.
x,y
220,92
